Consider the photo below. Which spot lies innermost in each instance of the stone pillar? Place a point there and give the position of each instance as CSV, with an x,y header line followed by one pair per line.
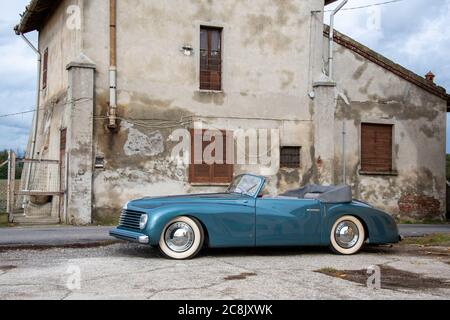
x,y
80,141
324,125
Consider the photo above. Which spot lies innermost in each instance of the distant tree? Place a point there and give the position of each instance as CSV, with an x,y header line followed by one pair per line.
x,y
448,167
4,169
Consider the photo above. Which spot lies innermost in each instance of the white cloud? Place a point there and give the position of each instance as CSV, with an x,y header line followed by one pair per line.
x,y
413,33
17,78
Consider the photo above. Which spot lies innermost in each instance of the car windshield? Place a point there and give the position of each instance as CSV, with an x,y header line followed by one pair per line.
x,y
246,184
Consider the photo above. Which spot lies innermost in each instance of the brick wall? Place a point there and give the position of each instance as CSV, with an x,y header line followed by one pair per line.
x,y
419,206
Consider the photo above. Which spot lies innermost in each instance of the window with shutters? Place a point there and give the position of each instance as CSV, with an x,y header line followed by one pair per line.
x,y
376,148
210,58
45,69
220,172
290,157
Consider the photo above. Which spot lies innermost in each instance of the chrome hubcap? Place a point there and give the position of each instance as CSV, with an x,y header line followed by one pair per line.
x,y
179,237
347,234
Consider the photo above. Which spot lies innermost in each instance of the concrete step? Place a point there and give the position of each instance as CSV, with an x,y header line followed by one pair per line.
x,y
35,220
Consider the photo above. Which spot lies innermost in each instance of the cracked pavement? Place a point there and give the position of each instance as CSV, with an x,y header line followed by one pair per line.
x,y
130,271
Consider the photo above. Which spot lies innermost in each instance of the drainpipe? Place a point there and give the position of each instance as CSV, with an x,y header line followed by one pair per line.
x,y
36,115
331,38
331,75
344,152
112,114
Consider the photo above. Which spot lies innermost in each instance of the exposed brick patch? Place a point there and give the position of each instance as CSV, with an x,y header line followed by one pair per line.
x,y
419,206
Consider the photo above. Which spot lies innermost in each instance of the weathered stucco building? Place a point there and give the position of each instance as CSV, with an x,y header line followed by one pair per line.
x,y
118,77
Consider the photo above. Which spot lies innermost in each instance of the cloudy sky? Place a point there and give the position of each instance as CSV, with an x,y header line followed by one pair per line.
x,y
413,33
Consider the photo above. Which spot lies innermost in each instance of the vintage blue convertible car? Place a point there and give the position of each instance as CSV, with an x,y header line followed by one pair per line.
x,y
242,217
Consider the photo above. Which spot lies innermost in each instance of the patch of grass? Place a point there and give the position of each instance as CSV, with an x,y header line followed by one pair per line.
x,y
328,271
107,218
425,221
448,167
332,272
391,278
4,221
241,276
440,240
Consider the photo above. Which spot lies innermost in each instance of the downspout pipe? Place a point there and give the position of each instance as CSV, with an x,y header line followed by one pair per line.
x,y
331,38
112,113
36,114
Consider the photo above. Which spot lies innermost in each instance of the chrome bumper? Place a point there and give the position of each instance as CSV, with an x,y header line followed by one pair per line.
x,y
129,236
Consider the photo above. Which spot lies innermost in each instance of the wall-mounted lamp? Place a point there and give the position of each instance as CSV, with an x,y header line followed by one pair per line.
x,y
187,50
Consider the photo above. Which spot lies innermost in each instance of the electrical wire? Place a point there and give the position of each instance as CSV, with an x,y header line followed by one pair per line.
x,y
17,114
372,5
75,101
364,6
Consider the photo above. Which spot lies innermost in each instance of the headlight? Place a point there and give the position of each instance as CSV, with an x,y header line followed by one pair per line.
x,y
143,221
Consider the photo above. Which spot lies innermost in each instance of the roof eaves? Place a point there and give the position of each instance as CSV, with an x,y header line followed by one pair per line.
x,y
35,15
387,64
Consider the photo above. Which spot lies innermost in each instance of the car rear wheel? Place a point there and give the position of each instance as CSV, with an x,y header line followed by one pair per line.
x,y
182,238
347,236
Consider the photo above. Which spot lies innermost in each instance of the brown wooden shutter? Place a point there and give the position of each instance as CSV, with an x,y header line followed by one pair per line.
x,y
198,173
210,58
376,148
45,69
223,173
215,173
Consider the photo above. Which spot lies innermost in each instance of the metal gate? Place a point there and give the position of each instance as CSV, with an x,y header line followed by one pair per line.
x,y
3,184
36,192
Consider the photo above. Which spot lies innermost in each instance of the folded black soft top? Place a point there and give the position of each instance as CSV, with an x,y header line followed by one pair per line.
x,y
326,194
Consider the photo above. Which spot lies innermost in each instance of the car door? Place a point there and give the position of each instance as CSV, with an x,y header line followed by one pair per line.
x,y
230,222
286,222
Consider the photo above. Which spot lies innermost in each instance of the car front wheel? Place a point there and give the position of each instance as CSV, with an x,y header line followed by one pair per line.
x,y
347,236
182,238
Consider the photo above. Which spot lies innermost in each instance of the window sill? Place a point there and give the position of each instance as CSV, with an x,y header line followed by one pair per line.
x,y
371,173
210,91
210,184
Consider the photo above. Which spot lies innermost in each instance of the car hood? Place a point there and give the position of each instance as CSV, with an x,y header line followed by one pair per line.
x,y
155,202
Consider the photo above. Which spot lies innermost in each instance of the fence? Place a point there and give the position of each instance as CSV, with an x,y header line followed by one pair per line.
x,y
31,187
3,186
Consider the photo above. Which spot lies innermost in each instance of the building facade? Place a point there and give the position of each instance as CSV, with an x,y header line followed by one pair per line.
x,y
122,80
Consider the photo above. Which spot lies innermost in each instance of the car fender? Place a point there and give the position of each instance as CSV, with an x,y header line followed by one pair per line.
x,y
380,227
161,216
220,228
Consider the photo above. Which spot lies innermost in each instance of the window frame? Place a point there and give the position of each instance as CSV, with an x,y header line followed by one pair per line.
x,y
45,69
291,165
210,88
363,170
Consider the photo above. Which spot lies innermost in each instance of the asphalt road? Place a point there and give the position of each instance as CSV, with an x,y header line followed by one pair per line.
x,y
419,230
53,236
61,236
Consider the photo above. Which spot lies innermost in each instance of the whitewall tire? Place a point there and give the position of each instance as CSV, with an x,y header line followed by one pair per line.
x,y
347,236
182,238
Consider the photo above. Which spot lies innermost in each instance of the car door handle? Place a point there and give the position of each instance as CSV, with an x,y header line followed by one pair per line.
x,y
313,210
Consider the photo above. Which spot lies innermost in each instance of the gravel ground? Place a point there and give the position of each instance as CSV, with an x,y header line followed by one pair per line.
x,y
129,271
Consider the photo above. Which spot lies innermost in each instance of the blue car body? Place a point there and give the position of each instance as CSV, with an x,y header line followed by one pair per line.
x,y
240,220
